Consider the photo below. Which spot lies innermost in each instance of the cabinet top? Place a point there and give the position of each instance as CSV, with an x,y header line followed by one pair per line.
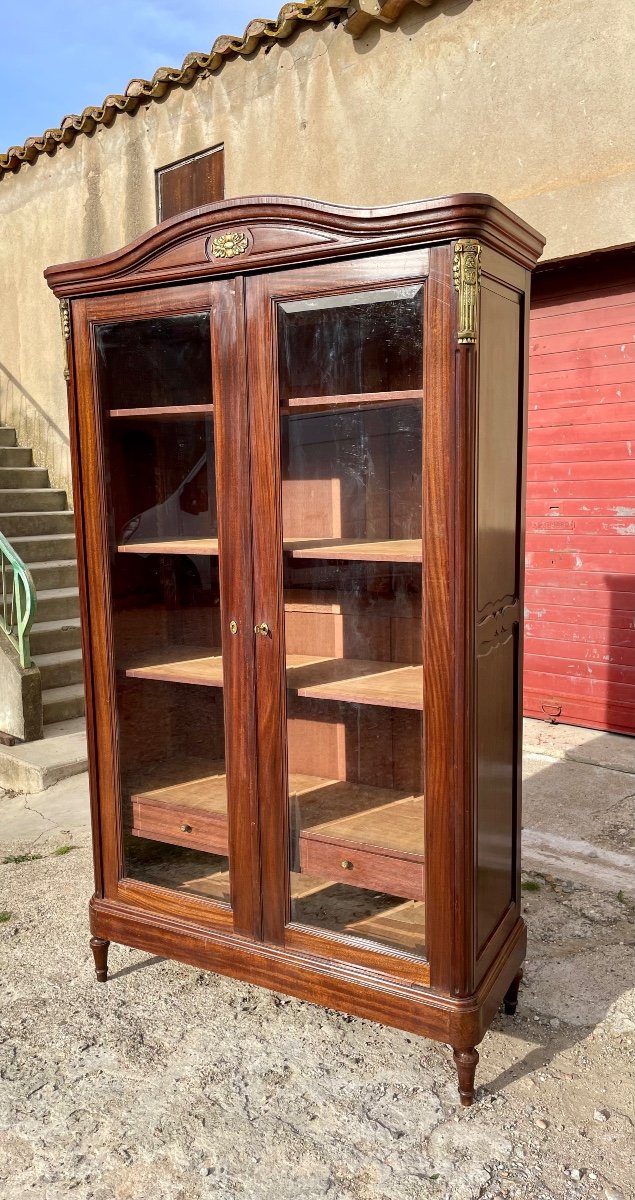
x,y
248,233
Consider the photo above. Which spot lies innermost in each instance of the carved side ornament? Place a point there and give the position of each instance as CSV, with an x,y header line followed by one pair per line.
x,y
467,281
65,318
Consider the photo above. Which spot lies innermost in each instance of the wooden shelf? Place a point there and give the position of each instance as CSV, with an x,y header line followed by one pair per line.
x,y
170,411
359,815
184,783
353,680
357,836
182,794
188,876
368,843
297,405
398,550
180,664
356,681
382,830
368,604
184,545
400,924
356,550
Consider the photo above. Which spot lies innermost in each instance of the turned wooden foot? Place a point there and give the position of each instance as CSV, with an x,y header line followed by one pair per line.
x,y
466,1062
511,997
99,948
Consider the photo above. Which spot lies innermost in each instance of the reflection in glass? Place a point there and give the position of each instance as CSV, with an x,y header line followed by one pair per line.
x,y
351,446
159,362
163,481
361,342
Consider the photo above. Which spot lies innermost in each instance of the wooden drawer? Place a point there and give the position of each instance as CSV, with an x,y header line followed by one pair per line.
x,y
180,826
367,868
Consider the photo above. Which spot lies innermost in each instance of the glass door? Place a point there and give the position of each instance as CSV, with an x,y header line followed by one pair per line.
x,y
171,415
345,402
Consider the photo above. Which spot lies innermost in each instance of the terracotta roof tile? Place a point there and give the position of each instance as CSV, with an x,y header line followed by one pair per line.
x,y
359,15
140,91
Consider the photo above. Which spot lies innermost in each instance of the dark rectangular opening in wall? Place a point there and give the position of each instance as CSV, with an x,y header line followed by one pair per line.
x,y
190,182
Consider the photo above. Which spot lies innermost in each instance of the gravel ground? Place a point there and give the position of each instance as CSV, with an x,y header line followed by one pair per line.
x,y
173,1084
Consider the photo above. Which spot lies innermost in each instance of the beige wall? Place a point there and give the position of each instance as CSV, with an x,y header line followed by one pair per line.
x,y
531,100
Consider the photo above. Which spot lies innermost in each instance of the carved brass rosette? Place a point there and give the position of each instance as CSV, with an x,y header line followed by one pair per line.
x,y
467,281
229,245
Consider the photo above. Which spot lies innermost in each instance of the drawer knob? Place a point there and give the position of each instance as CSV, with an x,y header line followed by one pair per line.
x,y
346,864
186,828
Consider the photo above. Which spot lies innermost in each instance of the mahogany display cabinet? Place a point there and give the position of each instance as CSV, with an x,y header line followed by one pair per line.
x,y
298,436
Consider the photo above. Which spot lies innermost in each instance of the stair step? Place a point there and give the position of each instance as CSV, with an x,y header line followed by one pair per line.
x,y
15,456
21,499
59,668
57,603
24,477
62,703
40,547
33,766
35,518
49,636
54,574
16,524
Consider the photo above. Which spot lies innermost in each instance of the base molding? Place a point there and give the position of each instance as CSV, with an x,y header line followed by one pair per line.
x,y
459,1022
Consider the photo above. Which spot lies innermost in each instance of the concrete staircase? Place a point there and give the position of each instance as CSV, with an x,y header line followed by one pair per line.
x,y
35,519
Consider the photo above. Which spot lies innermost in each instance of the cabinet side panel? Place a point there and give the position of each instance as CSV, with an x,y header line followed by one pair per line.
x,y
496,783
499,489
498,424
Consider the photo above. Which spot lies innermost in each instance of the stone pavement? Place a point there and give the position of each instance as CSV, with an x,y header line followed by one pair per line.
x,y
62,810
579,805
177,1084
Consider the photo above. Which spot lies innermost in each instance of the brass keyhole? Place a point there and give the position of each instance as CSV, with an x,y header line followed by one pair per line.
x,y
233,626
262,629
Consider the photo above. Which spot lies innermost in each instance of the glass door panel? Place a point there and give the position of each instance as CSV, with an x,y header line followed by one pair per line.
x,y
159,363
155,388
350,376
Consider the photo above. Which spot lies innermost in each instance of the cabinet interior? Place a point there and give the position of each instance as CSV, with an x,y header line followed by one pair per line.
x,y
350,372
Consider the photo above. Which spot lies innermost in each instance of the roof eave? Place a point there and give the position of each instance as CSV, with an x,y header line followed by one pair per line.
x,y
359,15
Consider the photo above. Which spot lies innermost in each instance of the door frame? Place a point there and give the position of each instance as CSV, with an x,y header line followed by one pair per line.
x,y
223,300
263,294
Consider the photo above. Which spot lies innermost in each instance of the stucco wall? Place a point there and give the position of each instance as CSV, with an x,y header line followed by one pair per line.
x,y
531,100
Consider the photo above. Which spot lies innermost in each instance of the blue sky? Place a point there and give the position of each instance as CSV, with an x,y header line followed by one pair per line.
x,y
59,57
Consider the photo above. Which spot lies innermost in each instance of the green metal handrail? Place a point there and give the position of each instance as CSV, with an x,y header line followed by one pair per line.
x,y
18,600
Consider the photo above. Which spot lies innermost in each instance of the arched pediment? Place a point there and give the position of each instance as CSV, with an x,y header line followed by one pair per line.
x,y
250,233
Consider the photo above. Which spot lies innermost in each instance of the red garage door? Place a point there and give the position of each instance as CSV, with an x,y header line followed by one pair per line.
x,y
580,577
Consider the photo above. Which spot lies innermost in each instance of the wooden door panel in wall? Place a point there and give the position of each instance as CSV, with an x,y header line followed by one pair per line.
x,y
190,183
